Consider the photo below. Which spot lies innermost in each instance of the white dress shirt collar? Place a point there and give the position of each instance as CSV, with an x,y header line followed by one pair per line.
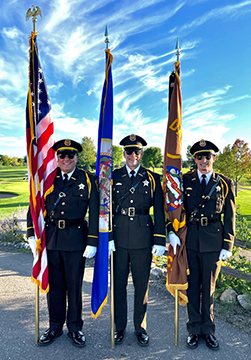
x,y
69,174
208,175
129,170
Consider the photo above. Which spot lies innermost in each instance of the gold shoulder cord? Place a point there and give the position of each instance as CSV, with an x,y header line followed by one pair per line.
x,y
89,185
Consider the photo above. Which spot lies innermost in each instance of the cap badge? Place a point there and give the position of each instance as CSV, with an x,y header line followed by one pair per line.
x,y
67,142
202,143
132,137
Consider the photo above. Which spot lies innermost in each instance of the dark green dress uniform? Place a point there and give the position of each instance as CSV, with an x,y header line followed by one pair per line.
x,y
67,236
134,235
211,230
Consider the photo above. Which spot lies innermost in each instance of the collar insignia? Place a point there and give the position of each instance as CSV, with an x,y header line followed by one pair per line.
x,y
145,183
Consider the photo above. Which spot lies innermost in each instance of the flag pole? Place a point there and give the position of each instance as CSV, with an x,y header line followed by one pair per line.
x,y
176,309
111,255
33,13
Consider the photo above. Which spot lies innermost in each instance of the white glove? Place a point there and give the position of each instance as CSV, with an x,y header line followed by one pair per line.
x,y
224,254
174,241
90,251
158,250
32,243
111,246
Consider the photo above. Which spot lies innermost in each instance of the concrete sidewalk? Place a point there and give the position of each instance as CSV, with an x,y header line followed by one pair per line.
x,y
17,324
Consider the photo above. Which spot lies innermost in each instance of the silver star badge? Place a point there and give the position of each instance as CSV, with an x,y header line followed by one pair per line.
x,y
218,188
145,183
81,186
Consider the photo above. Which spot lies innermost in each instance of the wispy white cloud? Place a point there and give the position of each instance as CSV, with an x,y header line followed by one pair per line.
x,y
233,10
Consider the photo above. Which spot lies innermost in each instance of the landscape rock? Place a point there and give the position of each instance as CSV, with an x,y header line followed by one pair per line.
x,y
229,295
157,272
244,301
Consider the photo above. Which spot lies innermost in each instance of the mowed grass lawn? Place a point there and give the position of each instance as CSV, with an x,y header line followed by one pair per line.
x,y
11,182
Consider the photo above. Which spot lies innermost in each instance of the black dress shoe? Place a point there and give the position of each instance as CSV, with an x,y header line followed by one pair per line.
x,y
118,337
48,337
77,337
143,339
192,341
211,342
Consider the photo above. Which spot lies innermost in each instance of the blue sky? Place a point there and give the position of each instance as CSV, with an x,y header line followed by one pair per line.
x,y
215,46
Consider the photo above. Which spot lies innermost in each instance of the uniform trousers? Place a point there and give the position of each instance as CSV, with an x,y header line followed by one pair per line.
x,y
204,269
139,262
66,270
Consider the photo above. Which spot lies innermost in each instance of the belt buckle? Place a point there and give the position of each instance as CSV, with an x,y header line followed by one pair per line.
x,y
204,221
131,211
61,224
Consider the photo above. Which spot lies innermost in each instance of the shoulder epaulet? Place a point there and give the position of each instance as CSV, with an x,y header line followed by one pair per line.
x,y
87,172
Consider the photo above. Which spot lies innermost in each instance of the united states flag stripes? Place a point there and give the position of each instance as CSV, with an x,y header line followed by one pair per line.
x,y
41,160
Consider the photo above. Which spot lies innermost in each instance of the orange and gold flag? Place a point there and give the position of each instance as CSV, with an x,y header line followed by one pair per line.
x,y
177,265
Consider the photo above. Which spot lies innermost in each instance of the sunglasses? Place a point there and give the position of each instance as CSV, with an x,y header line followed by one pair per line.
x,y
129,152
63,155
199,157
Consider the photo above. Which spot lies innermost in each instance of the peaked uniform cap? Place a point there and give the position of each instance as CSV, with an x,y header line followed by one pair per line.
x,y
133,141
204,147
67,144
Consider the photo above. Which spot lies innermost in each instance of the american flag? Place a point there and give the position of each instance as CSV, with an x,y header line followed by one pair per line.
x,y
41,160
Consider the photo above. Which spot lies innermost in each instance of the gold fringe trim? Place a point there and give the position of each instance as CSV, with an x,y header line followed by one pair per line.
x,y
37,282
100,308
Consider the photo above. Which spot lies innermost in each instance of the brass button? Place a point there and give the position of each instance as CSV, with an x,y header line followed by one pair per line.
x,y
81,195
62,212
131,201
63,203
78,227
203,196
202,214
203,205
131,219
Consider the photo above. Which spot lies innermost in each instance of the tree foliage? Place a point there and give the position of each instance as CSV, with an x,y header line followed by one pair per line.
x,y
117,156
87,158
5,160
234,161
152,157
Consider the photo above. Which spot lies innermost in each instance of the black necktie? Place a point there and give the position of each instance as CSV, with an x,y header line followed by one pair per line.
x,y
203,182
132,175
65,179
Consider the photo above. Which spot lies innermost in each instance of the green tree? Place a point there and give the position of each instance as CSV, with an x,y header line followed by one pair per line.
x,y
117,156
234,161
190,160
5,160
87,158
14,161
152,157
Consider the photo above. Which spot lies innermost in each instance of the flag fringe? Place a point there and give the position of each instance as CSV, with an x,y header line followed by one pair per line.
x,y
100,308
37,282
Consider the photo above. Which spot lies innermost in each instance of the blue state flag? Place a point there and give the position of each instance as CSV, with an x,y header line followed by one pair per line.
x,y
104,167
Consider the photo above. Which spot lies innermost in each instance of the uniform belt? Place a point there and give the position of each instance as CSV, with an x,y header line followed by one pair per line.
x,y
204,221
131,211
62,224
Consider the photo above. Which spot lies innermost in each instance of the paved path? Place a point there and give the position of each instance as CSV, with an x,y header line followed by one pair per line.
x,y
17,329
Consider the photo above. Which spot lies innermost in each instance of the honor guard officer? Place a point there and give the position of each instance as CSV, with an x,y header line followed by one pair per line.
x,y
136,237
207,196
68,241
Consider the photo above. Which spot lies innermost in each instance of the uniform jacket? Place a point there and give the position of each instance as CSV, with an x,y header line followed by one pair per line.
x,y
214,236
137,232
81,195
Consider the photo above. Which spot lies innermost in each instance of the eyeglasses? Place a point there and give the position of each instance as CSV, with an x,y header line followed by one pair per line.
x,y
63,155
199,157
129,152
